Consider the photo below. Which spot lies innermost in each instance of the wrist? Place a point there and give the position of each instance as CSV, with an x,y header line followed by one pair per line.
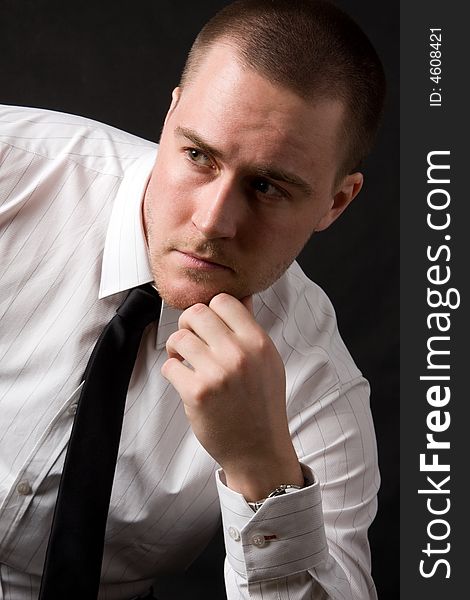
x,y
257,484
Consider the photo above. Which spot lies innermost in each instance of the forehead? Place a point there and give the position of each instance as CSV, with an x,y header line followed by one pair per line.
x,y
241,112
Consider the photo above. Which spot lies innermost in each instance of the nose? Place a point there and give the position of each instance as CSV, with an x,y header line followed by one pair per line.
x,y
219,209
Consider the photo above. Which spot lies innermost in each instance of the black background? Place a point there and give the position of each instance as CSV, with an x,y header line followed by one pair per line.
x,y
117,62
426,129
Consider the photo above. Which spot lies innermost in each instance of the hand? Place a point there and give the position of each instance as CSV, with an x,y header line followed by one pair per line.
x,y
234,394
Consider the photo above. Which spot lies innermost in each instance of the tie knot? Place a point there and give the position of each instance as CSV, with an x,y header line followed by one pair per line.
x,y
141,306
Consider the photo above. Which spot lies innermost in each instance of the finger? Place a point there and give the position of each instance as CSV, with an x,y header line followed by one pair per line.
x,y
235,314
179,375
172,354
186,345
205,323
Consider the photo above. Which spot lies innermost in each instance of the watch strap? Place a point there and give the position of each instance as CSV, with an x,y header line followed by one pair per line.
x,y
285,488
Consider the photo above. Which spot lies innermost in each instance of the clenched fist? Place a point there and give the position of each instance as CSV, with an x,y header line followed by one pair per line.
x,y
233,391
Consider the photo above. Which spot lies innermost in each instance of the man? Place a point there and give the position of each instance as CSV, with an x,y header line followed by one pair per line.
x,y
278,104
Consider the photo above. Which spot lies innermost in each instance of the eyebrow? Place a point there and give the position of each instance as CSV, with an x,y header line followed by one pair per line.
x,y
267,171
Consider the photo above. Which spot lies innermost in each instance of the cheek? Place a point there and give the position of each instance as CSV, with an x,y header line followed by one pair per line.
x,y
171,196
286,234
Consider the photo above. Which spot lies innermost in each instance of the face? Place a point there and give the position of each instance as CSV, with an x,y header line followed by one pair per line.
x,y
245,174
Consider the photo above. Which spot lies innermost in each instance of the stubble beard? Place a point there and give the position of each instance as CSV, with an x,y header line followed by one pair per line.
x,y
241,282
201,286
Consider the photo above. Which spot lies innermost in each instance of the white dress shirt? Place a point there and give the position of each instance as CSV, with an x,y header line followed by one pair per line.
x,y
71,244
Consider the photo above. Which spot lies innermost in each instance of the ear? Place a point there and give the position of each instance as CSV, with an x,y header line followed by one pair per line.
x,y
175,96
345,193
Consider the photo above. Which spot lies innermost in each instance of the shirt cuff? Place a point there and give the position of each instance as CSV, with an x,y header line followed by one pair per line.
x,y
285,536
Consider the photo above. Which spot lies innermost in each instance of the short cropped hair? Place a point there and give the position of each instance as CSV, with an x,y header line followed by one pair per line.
x,y
311,47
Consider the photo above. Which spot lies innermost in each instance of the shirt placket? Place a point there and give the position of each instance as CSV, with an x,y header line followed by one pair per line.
x,y
31,474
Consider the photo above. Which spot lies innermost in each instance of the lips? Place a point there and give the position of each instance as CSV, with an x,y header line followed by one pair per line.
x,y
205,259
197,261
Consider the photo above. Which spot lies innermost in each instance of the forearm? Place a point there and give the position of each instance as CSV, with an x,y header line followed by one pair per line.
x,y
282,550
320,549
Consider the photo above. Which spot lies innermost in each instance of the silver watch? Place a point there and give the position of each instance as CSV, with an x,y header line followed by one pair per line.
x,y
285,488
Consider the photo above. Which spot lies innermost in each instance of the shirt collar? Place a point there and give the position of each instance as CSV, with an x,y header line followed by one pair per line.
x,y
125,258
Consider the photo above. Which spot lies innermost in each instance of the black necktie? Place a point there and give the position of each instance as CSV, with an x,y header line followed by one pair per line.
x,y
75,551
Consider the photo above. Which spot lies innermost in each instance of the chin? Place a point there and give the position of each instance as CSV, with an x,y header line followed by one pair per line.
x,y
182,297
183,302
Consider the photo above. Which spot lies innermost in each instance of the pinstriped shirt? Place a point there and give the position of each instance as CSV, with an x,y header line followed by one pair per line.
x,y
72,244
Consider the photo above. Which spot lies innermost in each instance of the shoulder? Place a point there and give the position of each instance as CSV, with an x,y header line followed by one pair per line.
x,y
302,306
53,135
300,317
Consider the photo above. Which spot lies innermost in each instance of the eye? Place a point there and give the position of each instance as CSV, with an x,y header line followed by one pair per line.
x,y
266,188
198,157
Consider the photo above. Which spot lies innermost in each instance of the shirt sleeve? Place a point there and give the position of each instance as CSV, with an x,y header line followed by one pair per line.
x,y
311,543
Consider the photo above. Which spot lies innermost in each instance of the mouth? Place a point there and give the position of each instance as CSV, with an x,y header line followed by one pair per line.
x,y
196,261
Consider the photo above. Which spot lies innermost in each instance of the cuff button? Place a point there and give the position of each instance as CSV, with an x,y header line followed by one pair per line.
x,y
258,540
234,534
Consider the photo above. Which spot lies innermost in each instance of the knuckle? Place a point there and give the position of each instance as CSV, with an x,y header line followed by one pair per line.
x,y
167,367
210,387
195,309
199,393
260,343
181,334
238,359
186,316
219,300
175,337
